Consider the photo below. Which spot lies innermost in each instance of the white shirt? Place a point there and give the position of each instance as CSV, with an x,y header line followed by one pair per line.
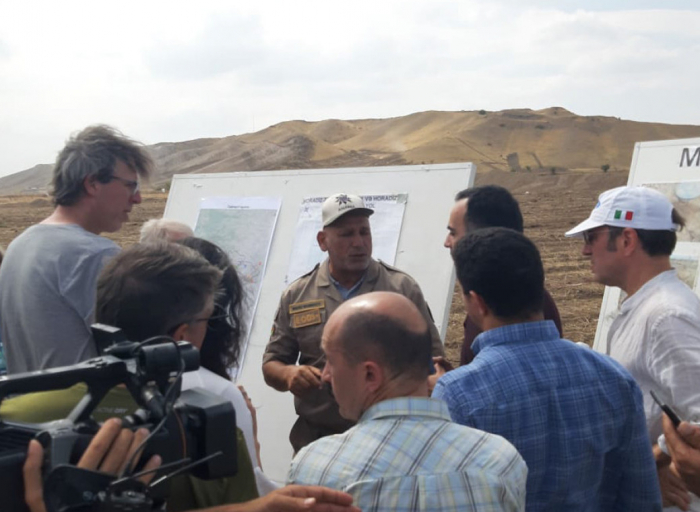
x,y
226,389
656,337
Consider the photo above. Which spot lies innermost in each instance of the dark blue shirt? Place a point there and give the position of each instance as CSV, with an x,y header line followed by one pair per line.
x,y
576,417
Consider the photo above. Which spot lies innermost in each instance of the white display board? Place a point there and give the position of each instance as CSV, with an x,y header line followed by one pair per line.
x,y
430,191
673,168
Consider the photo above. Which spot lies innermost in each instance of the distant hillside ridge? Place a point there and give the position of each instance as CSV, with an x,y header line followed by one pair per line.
x,y
551,140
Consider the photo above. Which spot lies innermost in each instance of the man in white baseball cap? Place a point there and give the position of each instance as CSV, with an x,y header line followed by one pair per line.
x,y
307,303
629,238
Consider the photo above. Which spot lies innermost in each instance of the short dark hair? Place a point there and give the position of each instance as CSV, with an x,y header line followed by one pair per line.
x,y
150,289
503,267
491,206
654,242
94,152
221,347
365,334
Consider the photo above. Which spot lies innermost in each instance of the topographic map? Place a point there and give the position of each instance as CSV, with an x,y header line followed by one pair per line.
x,y
243,227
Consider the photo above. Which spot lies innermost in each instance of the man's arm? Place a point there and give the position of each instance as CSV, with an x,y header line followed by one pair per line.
x,y
298,379
279,361
415,294
294,498
674,361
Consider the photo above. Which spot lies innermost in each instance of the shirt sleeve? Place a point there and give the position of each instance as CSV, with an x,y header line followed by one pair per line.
x,y
416,296
639,484
283,345
674,361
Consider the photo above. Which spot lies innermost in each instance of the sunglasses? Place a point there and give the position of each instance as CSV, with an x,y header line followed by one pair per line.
x,y
591,236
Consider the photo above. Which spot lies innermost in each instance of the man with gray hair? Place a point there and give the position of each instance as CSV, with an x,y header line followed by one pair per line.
x,y
404,453
155,230
49,275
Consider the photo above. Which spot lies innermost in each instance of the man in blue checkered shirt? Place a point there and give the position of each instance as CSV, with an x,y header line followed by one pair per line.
x,y
575,416
404,454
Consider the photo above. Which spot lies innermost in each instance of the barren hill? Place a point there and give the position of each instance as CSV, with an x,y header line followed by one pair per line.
x,y
510,140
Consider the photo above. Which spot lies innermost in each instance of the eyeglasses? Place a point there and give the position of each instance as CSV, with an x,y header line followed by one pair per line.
x,y
130,184
590,236
209,318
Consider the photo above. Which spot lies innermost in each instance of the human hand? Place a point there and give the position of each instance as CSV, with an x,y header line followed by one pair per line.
x,y
108,452
673,490
303,378
684,445
293,498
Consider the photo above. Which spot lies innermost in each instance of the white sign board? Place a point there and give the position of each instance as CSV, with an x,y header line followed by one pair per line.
x,y
673,168
429,191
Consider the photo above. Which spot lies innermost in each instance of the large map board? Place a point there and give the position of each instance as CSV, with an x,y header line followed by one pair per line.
x,y
673,168
429,190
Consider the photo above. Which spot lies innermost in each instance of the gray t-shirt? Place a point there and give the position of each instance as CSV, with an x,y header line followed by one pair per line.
x,y
48,282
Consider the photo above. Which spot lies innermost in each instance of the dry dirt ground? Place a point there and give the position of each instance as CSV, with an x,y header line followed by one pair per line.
x,y
550,204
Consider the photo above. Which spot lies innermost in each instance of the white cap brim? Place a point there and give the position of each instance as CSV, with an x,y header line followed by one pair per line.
x,y
584,226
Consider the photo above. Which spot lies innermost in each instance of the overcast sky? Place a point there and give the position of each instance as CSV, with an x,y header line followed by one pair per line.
x,y
171,71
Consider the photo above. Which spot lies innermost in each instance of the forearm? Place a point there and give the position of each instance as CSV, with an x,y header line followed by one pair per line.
x,y
277,375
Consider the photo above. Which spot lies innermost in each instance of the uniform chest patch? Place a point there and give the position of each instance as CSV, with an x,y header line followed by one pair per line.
x,y
300,307
306,318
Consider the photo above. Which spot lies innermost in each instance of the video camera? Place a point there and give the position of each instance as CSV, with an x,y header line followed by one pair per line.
x,y
193,430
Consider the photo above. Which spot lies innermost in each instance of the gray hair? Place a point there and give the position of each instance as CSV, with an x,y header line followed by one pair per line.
x,y
150,289
94,152
154,230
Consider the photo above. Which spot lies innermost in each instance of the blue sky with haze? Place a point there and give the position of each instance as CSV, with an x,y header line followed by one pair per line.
x,y
170,71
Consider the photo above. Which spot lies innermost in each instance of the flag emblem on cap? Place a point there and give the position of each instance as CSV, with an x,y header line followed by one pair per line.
x,y
626,214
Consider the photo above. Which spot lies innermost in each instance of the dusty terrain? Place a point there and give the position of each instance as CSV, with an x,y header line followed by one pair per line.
x,y
523,140
551,204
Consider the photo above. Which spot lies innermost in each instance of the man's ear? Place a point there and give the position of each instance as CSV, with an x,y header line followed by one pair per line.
x,y
321,239
90,185
480,303
630,241
181,332
373,375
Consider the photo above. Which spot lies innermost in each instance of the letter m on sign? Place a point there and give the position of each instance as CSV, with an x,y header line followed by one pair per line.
x,y
688,159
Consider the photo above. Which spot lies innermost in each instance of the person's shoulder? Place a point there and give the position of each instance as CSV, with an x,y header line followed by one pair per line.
x,y
602,366
396,275
300,282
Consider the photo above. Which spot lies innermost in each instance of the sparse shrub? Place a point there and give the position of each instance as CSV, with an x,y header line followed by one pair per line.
x,y
513,169
528,168
502,125
553,170
605,167
540,127
482,112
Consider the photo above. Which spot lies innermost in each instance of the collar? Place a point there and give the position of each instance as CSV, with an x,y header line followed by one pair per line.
x,y
540,330
647,289
346,293
325,279
408,406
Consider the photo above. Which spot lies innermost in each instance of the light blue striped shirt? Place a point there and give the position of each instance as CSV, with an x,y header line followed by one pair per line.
x,y
405,454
